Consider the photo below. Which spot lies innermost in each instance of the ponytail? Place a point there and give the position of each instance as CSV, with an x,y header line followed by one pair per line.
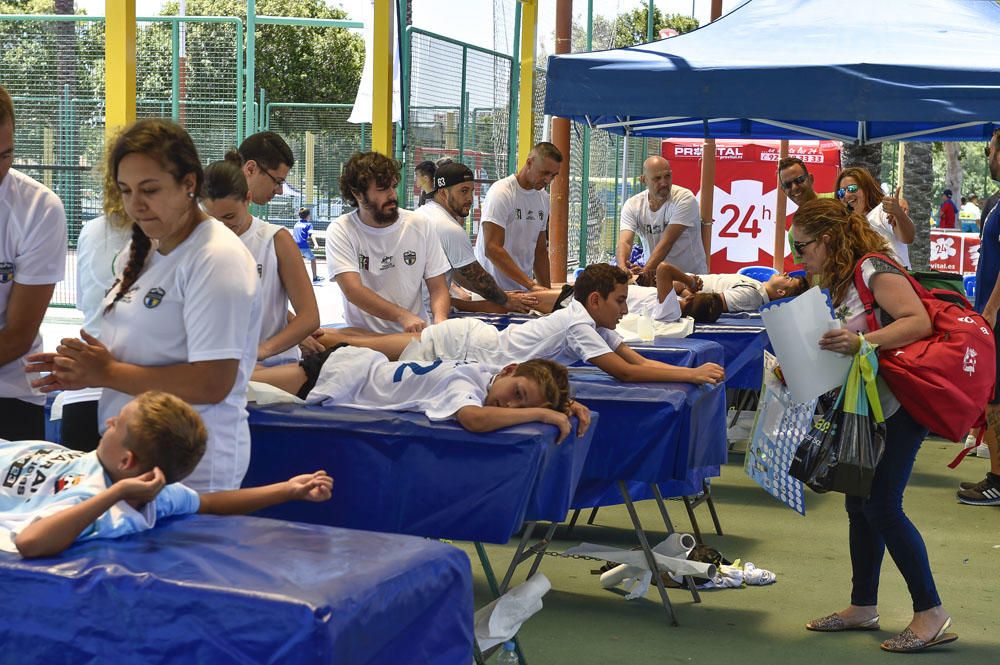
x,y
136,260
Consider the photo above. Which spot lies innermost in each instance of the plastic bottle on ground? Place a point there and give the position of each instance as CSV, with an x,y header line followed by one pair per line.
x,y
507,655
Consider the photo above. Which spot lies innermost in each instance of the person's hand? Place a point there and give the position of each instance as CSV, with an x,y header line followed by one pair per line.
x,y
582,414
411,322
140,490
83,362
316,486
560,420
708,373
535,286
893,207
521,301
840,340
43,362
311,345
695,283
634,268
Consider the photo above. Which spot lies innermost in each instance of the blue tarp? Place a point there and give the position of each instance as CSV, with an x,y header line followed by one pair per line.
x,y
205,589
744,340
883,70
401,473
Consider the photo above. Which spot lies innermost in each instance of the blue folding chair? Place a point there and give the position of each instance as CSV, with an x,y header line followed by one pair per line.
x,y
760,273
970,286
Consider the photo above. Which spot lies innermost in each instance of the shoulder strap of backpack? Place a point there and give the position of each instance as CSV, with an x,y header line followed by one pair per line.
x,y
868,300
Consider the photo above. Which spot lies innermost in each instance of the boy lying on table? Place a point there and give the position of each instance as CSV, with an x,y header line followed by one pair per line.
x,y
584,330
479,397
51,496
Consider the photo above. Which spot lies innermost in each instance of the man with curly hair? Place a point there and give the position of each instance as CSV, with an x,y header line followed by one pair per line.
x,y
380,255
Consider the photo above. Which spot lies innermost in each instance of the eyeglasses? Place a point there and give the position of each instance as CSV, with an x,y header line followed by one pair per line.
x,y
844,190
787,184
799,246
277,183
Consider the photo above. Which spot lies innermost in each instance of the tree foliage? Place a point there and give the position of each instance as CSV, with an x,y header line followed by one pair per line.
x,y
629,28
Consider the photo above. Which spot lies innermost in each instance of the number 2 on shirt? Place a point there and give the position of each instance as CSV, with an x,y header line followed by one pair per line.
x,y
416,368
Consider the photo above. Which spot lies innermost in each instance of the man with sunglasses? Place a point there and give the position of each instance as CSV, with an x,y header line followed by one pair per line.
x,y
987,491
267,159
794,178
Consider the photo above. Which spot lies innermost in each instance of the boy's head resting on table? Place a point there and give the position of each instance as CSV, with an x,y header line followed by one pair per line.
x,y
155,429
535,383
702,307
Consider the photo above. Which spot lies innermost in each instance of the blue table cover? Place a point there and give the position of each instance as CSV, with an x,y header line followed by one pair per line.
x,y
669,433
744,340
400,473
204,589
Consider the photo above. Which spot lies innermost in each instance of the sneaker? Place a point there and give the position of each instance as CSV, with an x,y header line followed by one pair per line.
x,y
981,486
984,493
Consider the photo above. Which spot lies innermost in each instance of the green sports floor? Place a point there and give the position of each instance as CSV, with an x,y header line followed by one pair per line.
x,y
582,624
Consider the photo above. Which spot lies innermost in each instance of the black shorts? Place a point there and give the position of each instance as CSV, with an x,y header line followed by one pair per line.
x,y
312,366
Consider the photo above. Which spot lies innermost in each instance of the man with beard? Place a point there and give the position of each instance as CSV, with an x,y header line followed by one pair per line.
x,y
667,220
381,255
445,211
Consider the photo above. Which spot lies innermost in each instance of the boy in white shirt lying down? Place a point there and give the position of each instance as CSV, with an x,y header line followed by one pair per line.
x,y
51,496
584,330
477,395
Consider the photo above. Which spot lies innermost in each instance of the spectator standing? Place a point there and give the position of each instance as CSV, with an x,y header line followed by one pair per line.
x,y
302,234
948,211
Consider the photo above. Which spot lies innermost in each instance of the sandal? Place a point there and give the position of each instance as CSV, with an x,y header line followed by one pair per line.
x,y
908,642
834,623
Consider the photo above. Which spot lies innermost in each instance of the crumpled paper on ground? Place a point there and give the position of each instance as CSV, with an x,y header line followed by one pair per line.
x,y
634,572
500,620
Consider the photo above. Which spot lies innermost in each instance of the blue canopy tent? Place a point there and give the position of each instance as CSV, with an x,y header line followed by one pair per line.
x,y
886,70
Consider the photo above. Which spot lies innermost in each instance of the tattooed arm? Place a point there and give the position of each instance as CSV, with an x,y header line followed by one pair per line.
x,y
475,278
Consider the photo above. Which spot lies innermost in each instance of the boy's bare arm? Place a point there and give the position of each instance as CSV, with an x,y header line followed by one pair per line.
x,y
52,534
316,486
627,365
490,418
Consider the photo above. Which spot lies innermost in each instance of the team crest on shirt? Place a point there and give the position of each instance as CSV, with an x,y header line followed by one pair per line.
x,y
409,257
6,272
362,262
67,481
387,263
531,215
260,270
541,214
153,297
517,213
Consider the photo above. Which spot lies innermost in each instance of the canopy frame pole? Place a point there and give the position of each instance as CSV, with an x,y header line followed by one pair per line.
x,y
780,215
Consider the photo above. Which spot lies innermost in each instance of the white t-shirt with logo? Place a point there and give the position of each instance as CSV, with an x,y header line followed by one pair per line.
x,y
200,302
646,300
741,293
38,479
393,262
523,215
98,251
688,252
32,253
454,241
365,379
259,239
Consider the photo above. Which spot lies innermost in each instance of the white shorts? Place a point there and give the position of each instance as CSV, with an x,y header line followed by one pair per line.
x,y
456,339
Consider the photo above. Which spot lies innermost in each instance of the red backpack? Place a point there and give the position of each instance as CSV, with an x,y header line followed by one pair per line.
x,y
946,379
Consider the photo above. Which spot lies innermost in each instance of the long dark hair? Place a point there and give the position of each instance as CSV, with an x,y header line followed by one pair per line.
x,y
170,145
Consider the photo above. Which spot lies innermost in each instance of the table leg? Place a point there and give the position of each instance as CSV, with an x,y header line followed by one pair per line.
x,y
647,552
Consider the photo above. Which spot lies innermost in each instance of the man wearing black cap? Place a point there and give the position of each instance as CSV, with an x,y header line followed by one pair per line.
x,y
445,212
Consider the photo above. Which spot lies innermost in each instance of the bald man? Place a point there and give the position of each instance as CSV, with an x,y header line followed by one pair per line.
x,y
668,222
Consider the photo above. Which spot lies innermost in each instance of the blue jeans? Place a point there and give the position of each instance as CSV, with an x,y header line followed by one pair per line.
x,y
878,522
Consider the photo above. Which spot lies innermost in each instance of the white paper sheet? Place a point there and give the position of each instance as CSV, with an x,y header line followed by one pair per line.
x,y
795,328
500,620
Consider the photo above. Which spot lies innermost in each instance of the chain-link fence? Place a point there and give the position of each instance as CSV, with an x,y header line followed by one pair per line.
x,y
458,108
60,132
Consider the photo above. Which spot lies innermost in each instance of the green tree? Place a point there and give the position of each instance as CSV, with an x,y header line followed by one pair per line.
x,y
294,64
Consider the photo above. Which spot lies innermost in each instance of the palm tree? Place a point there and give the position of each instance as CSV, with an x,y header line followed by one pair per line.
x,y
918,169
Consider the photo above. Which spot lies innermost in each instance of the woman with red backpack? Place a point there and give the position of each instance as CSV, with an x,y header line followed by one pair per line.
x,y
832,242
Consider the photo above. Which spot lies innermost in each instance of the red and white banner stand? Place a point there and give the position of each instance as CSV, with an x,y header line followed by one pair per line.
x,y
746,185
954,252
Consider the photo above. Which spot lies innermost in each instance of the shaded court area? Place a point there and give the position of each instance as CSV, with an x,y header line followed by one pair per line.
x,y
583,623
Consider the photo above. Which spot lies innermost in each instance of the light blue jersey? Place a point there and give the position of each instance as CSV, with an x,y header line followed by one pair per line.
x,y
38,479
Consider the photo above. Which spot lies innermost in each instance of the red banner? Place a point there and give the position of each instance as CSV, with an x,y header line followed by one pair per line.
x,y
746,192
954,252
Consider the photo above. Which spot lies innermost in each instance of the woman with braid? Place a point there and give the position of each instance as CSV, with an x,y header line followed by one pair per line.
x,y
184,315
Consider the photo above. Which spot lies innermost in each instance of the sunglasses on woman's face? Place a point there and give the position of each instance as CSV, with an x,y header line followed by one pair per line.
x,y
799,246
842,192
